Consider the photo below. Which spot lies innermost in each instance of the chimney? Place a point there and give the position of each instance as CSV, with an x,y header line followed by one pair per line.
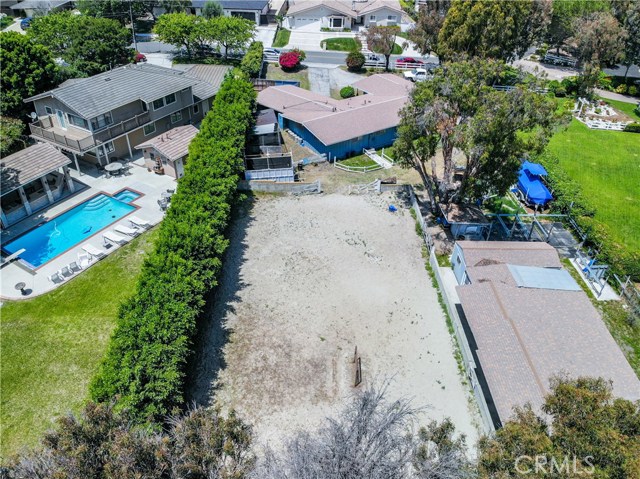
x,y
353,5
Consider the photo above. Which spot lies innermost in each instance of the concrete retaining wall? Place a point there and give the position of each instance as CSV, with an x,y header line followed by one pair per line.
x,y
273,187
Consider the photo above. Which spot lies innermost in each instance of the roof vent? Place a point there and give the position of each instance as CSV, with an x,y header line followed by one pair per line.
x,y
107,79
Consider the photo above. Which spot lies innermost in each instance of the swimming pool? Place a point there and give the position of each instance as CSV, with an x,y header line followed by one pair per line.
x,y
57,235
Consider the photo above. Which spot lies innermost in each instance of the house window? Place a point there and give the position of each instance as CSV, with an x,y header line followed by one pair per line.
x,y
159,103
108,146
336,22
77,121
169,99
392,18
372,18
48,110
152,156
148,129
101,121
196,108
176,117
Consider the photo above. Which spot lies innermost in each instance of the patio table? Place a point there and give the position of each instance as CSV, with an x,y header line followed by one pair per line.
x,y
114,167
20,287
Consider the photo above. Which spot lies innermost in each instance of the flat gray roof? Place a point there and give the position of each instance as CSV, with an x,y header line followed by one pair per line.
x,y
39,4
29,164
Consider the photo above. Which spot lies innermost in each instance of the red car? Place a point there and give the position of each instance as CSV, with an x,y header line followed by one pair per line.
x,y
408,61
139,58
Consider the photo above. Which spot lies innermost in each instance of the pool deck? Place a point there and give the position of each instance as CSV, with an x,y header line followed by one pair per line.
x,y
138,179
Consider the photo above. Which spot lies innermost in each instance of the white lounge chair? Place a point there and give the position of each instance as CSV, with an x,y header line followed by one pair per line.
x,y
125,230
65,272
139,222
84,260
114,238
93,251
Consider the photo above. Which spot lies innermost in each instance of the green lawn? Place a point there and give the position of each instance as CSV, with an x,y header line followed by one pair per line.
x,y
606,164
52,344
397,49
274,72
624,107
282,38
504,204
341,44
360,161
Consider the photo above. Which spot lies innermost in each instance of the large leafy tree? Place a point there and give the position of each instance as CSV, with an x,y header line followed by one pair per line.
x,y
11,135
231,33
628,14
583,421
178,29
563,16
115,9
491,29
102,444
382,39
424,33
212,9
459,109
27,69
90,45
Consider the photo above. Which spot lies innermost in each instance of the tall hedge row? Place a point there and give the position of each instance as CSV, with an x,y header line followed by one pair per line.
x,y
144,368
569,198
251,63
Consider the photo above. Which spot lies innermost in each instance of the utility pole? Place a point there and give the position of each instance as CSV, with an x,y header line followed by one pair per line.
x,y
133,27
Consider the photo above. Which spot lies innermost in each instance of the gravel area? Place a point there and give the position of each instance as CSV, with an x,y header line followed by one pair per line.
x,y
306,280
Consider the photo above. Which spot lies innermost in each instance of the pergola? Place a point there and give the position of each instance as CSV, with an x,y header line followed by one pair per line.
x,y
32,179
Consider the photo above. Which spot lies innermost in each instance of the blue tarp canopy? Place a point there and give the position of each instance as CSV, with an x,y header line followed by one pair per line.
x,y
530,184
534,168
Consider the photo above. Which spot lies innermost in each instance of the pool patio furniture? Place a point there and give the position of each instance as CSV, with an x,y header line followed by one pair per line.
x,y
65,272
84,260
127,231
74,267
56,277
114,238
114,168
93,251
139,222
20,287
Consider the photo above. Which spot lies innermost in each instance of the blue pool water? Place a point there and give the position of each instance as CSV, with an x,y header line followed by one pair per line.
x,y
127,196
57,235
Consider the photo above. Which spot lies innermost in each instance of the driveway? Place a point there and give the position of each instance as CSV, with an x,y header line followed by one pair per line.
x,y
15,27
324,79
265,35
310,41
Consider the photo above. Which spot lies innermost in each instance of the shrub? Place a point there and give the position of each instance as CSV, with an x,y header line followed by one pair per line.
x,y
144,367
637,110
301,54
560,92
633,90
621,89
289,60
251,63
355,61
347,92
570,85
633,128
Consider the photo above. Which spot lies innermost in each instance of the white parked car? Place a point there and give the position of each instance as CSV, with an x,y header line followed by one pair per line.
x,y
417,74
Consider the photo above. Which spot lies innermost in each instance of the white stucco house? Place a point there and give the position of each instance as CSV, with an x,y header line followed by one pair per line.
x,y
313,15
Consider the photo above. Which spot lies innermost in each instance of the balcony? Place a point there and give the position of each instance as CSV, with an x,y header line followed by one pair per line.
x,y
80,141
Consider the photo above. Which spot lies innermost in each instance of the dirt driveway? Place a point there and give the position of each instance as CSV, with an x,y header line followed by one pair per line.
x,y
307,280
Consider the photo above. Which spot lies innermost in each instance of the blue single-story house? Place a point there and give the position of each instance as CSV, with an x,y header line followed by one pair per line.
x,y
341,128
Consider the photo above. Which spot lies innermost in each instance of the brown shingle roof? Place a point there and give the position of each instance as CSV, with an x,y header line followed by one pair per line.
x,y
173,144
29,164
524,336
510,252
333,121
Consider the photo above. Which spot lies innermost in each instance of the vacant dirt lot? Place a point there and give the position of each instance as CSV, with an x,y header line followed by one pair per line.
x,y
306,281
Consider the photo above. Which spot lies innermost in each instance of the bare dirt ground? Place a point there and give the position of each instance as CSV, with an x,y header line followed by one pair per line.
x,y
307,279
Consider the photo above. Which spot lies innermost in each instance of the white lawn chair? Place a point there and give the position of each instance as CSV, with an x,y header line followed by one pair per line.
x,y
114,238
84,260
65,272
125,230
139,222
93,251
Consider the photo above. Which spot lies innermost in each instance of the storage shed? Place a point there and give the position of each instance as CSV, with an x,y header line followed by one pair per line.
x,y
165,154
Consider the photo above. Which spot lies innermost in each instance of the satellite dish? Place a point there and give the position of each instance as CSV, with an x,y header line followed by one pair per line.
x,y
33,115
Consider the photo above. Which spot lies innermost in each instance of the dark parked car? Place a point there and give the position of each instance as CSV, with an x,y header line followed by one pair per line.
x,y
408,62
25,23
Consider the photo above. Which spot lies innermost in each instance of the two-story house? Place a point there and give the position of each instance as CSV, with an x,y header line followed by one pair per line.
x,y
103,117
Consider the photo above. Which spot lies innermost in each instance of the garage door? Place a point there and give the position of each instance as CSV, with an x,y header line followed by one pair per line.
x,y
309,24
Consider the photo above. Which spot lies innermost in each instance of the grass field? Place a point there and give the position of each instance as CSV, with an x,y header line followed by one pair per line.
x,y
282,38
341,44
606,164
274,72
52,344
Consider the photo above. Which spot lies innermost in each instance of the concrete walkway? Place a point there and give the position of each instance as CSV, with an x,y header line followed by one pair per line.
x,y
265,34
617,96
